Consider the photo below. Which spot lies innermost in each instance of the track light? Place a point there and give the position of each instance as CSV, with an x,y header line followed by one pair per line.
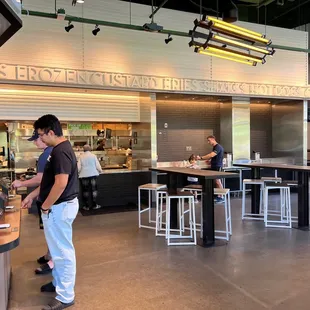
x,y
69,27
96,30
169,39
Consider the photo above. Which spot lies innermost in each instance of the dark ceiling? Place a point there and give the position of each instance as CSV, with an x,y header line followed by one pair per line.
x,y
280,13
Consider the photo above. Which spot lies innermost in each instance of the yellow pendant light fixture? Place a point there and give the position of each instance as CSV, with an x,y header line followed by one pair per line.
x,y
231,53
210,53
223,40
239,30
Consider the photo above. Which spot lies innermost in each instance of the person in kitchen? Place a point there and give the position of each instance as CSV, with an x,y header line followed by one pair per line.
x,y
216,159
89,168
100,145
45,261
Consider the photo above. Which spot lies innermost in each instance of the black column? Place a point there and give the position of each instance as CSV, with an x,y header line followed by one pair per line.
x,y
208,212
255,191
303,199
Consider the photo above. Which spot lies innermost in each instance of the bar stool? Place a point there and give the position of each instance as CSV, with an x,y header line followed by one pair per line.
x,y
285,208
161,195
193,188
252,216
272,179
292,184
150,187
181,196
225,192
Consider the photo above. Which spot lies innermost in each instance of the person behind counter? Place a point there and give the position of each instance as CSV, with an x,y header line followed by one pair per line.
x,y
46,260
89,168
100,145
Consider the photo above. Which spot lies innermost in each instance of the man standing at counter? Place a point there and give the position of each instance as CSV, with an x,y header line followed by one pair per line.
x,y
46,260
216,157
58,193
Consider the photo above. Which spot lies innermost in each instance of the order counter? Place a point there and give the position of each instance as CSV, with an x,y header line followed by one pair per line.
x,y
9,240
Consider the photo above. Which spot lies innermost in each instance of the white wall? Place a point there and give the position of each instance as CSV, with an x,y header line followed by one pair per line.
x,y
44,42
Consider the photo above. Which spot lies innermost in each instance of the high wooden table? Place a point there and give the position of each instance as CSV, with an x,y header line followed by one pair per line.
x,y
206,179
9,239
303,189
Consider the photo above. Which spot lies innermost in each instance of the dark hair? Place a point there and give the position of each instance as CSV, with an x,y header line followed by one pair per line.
x,y
48,122
211,137
192,157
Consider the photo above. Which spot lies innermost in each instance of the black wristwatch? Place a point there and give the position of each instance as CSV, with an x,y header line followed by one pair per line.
x,y
45,209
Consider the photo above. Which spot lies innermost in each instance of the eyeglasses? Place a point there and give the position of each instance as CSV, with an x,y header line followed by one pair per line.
x,y
44,133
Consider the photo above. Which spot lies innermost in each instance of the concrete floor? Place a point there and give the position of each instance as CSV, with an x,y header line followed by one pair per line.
x,y
122,267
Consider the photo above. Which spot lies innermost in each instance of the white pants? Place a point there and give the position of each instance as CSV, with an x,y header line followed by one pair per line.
x,y
58,234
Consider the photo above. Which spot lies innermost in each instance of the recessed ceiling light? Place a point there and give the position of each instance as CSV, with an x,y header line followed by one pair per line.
x,y
80,1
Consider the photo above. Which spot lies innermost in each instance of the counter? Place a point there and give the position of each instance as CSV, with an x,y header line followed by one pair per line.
x,y
115,171
9,240
119,187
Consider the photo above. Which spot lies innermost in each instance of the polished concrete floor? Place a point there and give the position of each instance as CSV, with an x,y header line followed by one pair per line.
x,y
122,267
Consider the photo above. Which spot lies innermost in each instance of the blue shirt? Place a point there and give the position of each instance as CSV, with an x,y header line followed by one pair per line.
x,y
217,161
43,159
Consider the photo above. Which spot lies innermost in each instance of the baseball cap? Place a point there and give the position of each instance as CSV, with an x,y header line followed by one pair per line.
x,y
34,136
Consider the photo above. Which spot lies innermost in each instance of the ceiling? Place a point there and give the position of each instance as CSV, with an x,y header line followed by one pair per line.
x,y
280,13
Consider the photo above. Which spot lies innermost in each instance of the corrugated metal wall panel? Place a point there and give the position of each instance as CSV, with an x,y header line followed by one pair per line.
x,y
29,105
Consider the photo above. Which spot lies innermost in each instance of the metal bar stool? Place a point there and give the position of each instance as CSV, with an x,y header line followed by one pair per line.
x,y
251,216
225,192
193,188
285,220
150,187
268,180
292,184
192,238
161,195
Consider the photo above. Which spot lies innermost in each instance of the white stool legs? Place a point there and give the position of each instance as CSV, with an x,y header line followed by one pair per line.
x,y
150,187
285,220
172,238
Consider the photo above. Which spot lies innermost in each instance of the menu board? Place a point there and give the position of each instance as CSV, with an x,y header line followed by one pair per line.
x,y
84,126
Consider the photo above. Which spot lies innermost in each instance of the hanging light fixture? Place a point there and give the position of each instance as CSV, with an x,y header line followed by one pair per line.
x,y
220,39
169,39
96,30
215,54
224,40
69,27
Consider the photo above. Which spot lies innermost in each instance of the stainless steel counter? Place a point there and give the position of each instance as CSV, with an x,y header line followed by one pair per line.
x,y
116,171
